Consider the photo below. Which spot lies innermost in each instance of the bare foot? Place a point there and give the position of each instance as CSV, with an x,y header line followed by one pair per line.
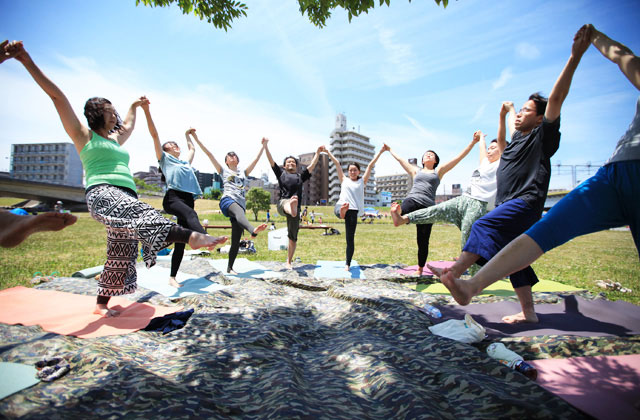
x,y
418,272
520,318
232,272
288,265
461,290
343,210
346,267
199,240
260,228
101,309
19,228
396,215
173,282
294,205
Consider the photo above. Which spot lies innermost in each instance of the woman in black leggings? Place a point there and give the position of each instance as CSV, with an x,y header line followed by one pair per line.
x,y
350,205
232,202
182,188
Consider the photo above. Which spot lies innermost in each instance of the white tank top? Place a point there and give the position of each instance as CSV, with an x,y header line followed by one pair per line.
x,y
352,192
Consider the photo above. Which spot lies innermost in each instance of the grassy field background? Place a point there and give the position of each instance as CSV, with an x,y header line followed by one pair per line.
x,y
607,255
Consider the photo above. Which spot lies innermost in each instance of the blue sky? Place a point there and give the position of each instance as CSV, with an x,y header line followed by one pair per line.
x,y
414,75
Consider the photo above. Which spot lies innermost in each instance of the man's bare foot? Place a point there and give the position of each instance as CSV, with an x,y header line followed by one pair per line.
x,y
396,215
293,202
461,290
259,229
101,309
199,240
19,228
288,265
173,282
520,318
343,210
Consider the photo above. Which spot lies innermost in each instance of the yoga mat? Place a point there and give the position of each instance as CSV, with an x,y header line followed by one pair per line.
x,y
573,316
157,279
408,271
245,269
71,314
15,377
606,387
187,253
88,273
499,288
335,270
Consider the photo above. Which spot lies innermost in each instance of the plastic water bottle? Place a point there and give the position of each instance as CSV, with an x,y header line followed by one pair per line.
x,y
432,311
512,359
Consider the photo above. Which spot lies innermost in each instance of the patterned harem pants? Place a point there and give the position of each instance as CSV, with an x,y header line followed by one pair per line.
x,y
128,221
462,211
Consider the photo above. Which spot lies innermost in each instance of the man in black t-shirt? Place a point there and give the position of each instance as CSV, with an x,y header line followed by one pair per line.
x,y
523,180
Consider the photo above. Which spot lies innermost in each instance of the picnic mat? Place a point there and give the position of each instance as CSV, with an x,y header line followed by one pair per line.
x,y
606,387
572,316
70,314
157,279
335,270
499,288
15,377
408,271
88,273
245,269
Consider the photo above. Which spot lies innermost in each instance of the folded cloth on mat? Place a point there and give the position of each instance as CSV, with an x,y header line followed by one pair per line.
x,y
573,316
71,314
499,288
335,270
169,322
157,279
408,271
245,269
88,273
16,377
605,387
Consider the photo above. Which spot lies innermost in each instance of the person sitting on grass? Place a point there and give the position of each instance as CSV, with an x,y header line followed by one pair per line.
x,y
523,180
350,205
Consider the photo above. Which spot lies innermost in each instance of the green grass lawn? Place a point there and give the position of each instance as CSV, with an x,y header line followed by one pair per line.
x,y
608,255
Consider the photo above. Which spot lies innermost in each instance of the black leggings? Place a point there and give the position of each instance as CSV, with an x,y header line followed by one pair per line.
x,y
350,224
239,223
423,232
180,204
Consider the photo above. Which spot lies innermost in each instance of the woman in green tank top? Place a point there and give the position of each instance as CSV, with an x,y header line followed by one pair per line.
x,y
110,190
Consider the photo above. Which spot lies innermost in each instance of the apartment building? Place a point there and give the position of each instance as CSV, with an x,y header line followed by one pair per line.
x,y
56,163
316,189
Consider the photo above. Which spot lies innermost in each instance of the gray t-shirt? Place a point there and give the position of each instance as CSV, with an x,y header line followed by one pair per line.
x,y
628,147
234,183
424,188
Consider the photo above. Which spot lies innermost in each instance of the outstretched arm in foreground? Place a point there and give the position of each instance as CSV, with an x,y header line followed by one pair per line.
x,y
78,132
618,53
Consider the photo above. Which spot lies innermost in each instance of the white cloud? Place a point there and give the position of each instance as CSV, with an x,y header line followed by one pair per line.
x,y
527,51
398,64
505,76
479,113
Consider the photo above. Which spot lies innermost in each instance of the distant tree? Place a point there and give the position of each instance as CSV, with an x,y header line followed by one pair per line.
x,y
258,199
212,195
221,13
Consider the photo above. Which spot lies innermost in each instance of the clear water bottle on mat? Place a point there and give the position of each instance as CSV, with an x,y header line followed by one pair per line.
x,y
432,311
512,359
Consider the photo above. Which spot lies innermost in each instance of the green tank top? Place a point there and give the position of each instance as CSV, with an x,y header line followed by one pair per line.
x,y
106,162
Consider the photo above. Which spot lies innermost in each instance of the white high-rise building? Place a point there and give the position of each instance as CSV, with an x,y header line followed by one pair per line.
x,y
349,146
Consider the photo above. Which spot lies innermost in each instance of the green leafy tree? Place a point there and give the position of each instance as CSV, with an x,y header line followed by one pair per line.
x,y
258,199
221,13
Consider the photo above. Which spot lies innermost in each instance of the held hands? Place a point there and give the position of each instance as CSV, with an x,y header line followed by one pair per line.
x,y
582,40
385,148
13,49
142,102
477,136
265,141
506,108
191,131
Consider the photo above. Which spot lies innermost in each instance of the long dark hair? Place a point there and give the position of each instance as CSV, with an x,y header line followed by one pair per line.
x,y
94,112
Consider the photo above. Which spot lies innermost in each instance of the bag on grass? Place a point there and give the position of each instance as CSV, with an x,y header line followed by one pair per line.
x,y
465,330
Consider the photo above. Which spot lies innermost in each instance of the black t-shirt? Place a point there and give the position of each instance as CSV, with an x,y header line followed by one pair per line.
x,y
290,184
525,165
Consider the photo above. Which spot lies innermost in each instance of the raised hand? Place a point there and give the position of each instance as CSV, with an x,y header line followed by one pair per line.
x,y
191,131
582,40
265,141
506,108
141,102
478,135
385,148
